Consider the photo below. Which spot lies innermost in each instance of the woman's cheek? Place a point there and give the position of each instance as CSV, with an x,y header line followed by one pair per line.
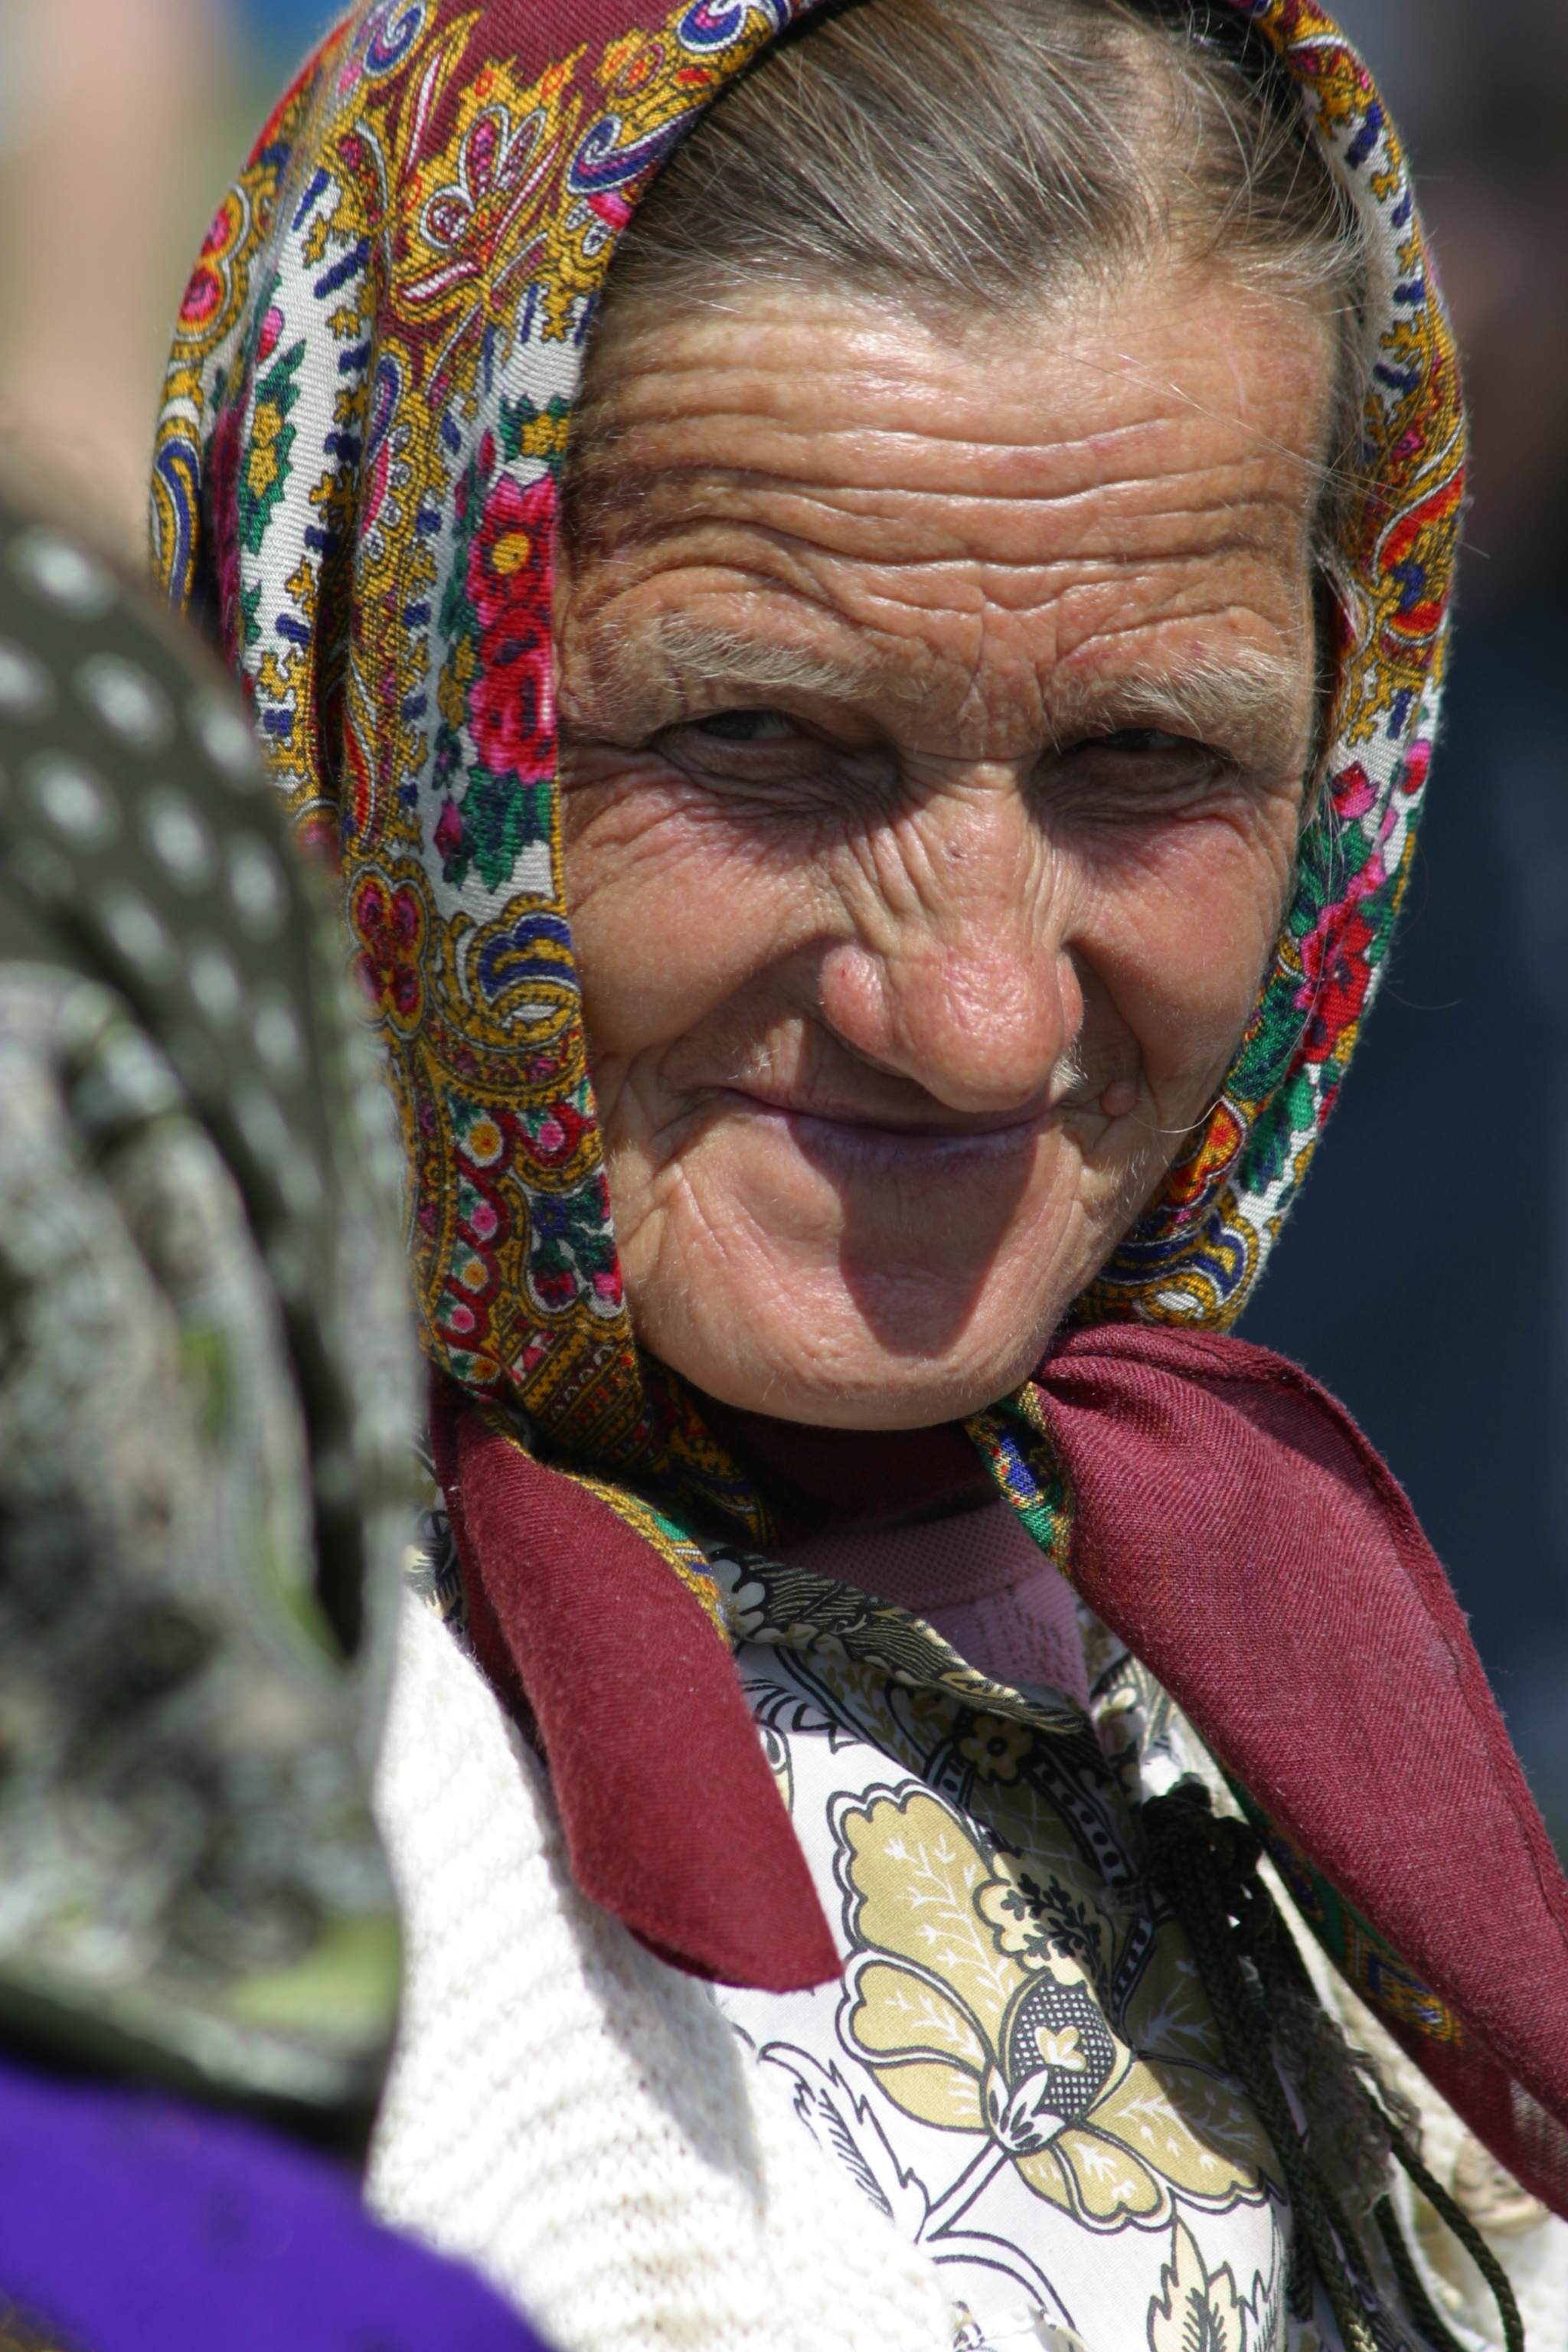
x,y
1183,943
671,909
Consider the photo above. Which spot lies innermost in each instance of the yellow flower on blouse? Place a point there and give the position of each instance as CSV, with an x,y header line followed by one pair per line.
x,y
979,2002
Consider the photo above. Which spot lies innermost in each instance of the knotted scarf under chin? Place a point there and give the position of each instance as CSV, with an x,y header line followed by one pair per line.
x,y
1235,1528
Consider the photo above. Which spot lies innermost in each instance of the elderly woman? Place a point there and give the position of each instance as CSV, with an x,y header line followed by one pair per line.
x,y
860,601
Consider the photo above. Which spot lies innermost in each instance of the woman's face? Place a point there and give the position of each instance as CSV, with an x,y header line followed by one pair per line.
x,y
936,714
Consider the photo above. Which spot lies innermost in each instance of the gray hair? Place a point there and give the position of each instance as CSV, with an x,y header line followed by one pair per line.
x,y
977,157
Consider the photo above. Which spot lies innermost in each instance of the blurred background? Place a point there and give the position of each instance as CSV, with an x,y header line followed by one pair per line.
x,y
1426,1276
121,123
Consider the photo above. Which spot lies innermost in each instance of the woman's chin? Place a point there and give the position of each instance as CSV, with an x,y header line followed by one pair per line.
x,y
824,1339
859,1389
859,1299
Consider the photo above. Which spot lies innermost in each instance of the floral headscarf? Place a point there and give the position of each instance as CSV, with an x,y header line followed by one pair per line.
x,y
357,465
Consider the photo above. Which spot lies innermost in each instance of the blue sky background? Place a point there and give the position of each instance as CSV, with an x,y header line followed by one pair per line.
x,y
279,28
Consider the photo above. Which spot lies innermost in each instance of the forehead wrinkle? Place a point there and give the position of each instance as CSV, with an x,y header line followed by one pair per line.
x,y
648,407
1128,367
1072,533
629,501
749,562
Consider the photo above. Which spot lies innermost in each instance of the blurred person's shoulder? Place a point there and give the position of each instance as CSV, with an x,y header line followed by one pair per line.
x,y
133,2222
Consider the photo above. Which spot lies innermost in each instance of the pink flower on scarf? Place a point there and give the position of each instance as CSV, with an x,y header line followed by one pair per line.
x,y
449,834
1352,793
223,473
390,925
512,700
1335,972
1336,978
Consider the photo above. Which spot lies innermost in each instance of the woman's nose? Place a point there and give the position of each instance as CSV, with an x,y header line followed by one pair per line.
x,y
961,978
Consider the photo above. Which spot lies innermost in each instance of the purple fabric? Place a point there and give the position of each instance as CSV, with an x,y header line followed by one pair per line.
x,y
130,2222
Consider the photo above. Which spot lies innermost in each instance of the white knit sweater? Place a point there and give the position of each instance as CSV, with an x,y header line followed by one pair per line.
x,y
577,2119
581,2123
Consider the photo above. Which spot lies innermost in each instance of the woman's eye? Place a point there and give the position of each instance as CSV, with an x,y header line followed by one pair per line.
x,y
747,726
1136,773
1138,738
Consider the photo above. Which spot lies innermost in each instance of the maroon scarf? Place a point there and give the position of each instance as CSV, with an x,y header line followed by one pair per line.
x,y
1238,1533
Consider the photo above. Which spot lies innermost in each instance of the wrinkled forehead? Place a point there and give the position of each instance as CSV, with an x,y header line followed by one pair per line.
x,y
976,549
870,398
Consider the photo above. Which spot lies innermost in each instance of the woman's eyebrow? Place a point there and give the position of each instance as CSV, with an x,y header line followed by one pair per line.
x,y
758,663
1249,698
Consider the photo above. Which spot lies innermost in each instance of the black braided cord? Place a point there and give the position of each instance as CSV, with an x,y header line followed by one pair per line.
x,y
1450,2211
1205,1864
1421,2309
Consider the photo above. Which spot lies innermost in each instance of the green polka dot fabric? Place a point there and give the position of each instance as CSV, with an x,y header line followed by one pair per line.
x,y
204,1383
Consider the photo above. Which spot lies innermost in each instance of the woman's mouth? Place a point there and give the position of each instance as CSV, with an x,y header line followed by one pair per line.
x,y
858,1132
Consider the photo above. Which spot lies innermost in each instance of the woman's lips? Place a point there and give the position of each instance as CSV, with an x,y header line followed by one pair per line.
x,y
854,1131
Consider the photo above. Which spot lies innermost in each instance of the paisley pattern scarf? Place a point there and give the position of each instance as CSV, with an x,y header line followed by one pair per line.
x,y
356,481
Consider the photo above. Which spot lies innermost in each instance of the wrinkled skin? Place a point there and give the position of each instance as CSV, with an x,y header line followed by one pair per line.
x,y
936,711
